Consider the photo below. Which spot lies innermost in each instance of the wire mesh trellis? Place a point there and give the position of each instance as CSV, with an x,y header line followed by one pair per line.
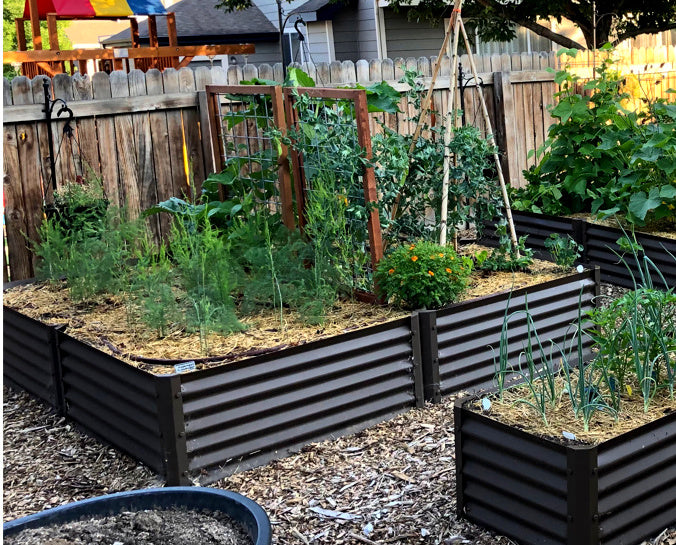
x,y
247,129
334,179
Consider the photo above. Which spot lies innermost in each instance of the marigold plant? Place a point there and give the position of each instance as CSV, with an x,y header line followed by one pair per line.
x,y
422,275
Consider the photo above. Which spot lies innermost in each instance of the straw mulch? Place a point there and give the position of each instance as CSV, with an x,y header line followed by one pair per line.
x,y
108,325
560,416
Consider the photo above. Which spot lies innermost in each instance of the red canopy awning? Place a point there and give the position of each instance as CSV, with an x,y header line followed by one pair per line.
x,y
93,8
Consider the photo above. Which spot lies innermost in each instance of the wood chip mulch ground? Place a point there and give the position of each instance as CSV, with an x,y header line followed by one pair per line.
x,y
390,484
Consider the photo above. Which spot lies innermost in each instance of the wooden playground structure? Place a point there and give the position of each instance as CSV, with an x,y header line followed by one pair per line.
x,y
49,62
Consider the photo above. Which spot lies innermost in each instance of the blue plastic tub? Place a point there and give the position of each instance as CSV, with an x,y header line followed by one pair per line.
x,y
241,509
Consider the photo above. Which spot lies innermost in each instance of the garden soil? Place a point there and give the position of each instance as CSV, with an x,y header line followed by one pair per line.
x,y
106,324
176,526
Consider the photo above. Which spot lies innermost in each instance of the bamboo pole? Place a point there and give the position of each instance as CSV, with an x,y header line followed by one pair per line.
x,y
448,129
489,130
425,106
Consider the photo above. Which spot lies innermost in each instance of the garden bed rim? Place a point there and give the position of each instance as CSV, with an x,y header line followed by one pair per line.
x,y
176,496
461,402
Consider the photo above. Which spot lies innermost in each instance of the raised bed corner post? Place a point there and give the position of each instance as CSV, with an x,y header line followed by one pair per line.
x,y
429,349
55,335
416,346
172,430
580,237
583,485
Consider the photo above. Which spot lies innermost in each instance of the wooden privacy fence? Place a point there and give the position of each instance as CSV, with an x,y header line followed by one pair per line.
x,y
142,133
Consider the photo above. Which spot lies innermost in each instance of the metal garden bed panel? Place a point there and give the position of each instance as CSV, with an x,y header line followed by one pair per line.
x,y
468,333
112,400
637,483
599,245
539,491
537,227
508,482
246,413
29,356
602,249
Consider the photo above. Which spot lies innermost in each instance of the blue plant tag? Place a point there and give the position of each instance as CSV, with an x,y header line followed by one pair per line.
x,y
185,366
486,404
568,435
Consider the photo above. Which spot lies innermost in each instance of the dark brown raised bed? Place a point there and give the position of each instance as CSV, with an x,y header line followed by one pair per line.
x,y
209,423
599,246
538,491
464,337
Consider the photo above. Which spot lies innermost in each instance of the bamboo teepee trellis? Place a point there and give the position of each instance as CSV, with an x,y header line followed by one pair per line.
x,y
456,28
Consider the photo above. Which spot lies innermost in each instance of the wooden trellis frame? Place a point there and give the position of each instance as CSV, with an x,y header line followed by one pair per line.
x,y
358,97
277,101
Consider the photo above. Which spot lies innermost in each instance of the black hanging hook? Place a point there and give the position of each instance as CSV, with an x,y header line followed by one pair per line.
x,y
463,83
67,129
299,21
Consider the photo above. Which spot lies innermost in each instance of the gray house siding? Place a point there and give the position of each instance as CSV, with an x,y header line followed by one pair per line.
x,y
318,43
346,39
269,8
366,26
266,53
354,34
409,39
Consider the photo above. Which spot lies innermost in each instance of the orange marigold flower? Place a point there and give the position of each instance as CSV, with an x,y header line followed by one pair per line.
x,y
441,255
391,271
451,258
430,273
411,247
449,271
414,258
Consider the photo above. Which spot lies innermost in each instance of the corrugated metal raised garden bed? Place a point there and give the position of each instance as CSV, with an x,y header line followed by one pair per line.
x,y
539,490
207,423
599,243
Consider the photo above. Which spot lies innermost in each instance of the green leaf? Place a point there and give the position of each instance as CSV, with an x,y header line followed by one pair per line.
x,y
563,110
295,77
259,81
571,52
382,97
640,203
668,191
174,205
225,177
647,153
609,212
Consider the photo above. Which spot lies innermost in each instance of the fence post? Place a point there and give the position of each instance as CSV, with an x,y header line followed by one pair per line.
x,y
172,430
207,131
505,134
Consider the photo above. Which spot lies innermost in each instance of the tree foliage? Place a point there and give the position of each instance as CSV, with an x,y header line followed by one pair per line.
x,y
496,20
11,9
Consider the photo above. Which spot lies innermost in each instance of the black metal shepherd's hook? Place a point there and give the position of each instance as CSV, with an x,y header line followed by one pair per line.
x,y
462,84
67,129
